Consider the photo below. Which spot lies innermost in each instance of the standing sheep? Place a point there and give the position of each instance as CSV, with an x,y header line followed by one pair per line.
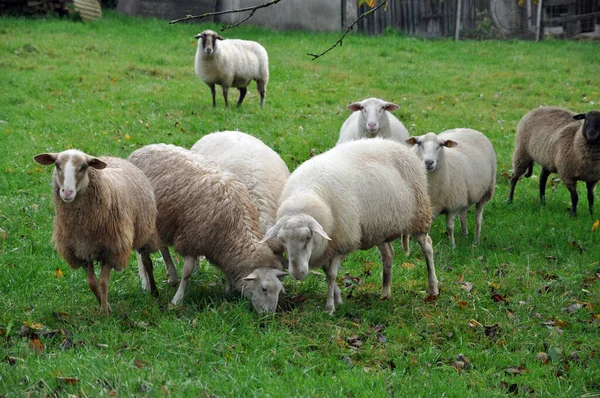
x,y
355,196
104,208
461,171
562,142
259,167
204,210
373,120
231,63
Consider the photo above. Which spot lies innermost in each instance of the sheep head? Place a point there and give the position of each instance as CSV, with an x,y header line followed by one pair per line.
x,y
299,234
208,41
591,126
262,287
71,171
429,148
372,110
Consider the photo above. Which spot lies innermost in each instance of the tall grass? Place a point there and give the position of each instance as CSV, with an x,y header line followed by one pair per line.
x,y
111,86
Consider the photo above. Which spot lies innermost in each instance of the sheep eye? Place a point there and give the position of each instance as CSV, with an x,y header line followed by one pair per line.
x,y
83,167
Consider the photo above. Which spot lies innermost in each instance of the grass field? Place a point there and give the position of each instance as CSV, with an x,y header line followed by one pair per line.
x,y
519,314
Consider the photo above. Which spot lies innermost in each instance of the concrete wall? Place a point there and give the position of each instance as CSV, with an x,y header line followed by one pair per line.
x,y
167,9
311,15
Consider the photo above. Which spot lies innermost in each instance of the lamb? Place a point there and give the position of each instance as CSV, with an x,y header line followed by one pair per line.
x,y
373,120
204,210
461,172
358,195
105,208
562,142
231,63
259,167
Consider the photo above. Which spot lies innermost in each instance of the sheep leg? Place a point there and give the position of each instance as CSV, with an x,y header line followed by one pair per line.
x,y
171,270
450,228
572,187
478,221
463,222
225,93
260,86
518,171
214,94
334,295
590,195
142,272
189,263
243,91
104,282
424,242
543,180
387,254
91,279
149,271
405,244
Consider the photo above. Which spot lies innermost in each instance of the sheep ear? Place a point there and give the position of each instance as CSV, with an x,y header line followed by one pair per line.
x,y
281,275
579,116
390,107
45,159
199,35
219,37
96,163
411,141
449,144
252,277
271,233
316,227
355,107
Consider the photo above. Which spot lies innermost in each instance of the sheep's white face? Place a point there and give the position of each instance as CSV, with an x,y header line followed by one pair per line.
x,y
429,148
263,286
207,41
298,234
70,172
372,110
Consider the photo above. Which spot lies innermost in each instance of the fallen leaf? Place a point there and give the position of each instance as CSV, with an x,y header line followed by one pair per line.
x,y
13,360
408,265
354,341
492,331
515,370
595,225
68,380
542,357
379,328
463,304
494,285
574,308
461,362
576,245
299,299
460,278
498,297
381,338
140,364
36,344
430,298
474,324
58,273
66,344
466,286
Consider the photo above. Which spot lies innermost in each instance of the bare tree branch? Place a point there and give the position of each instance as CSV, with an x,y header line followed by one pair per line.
x,y
348,29
224,27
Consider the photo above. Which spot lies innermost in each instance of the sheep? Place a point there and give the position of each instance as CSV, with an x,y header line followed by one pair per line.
x,y
373,120
204,210
104,208
259,167
355,196
231,63
561,142
461,172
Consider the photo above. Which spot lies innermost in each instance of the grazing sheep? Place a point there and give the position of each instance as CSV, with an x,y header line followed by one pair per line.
x,y
231,63
204,210
355,196
104,208
259,167
561,142
461,171
373,120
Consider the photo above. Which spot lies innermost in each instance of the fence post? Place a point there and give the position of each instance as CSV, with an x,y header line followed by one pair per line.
x,y
538,27
458,12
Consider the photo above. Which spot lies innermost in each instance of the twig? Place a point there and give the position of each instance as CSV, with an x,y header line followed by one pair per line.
x,y
224,27
348,29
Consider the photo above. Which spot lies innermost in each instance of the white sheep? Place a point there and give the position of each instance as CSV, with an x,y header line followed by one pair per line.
x,y
562,142
204,210
259,167
231,63
358,195
104,208
372,118
461,172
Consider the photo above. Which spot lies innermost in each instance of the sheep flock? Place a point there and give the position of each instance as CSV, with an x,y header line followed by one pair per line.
x,y
231,200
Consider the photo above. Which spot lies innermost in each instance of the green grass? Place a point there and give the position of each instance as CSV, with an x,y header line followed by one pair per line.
x,y
111,86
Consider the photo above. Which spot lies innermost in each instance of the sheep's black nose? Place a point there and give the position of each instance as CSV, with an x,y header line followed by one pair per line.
x,y
428,163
